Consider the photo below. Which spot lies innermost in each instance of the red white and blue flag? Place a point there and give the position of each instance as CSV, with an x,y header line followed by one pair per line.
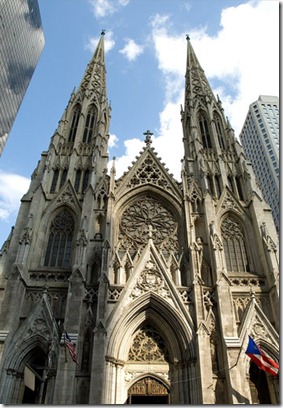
x,y
71,347
260,358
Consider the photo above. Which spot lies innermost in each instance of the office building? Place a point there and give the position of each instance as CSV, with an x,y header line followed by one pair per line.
x,y
157,283
260,140
21,43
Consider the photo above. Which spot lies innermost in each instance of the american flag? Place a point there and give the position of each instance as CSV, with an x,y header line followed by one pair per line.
x,y
71,347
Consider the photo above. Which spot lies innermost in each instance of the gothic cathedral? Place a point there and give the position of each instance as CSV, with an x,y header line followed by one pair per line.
x,y
157,283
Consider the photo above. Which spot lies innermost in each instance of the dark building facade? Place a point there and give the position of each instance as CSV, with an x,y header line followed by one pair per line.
x,y
158,283
21,43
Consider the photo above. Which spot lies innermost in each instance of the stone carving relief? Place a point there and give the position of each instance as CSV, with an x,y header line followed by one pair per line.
x,y
149,172
150,279
147,219
148,346
148,386
144,220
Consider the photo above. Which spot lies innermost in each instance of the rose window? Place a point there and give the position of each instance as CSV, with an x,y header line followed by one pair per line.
x,y
148,219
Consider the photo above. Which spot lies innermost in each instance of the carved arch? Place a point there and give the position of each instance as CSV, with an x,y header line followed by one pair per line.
x,y
234,240
160,314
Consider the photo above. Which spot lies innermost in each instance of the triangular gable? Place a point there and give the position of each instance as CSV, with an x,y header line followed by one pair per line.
x,y
65,196
150,276
39,327
148,170
228,201
256,324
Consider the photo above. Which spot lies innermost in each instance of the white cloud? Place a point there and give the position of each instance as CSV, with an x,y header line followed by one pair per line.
x,y
103,8
109,42
12,188
243,57
131,50
113,140
133,148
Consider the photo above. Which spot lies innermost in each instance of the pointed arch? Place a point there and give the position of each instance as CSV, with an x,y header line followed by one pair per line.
x,y
234,243
204,130
75,121
89,124
152,309
219,130
59,244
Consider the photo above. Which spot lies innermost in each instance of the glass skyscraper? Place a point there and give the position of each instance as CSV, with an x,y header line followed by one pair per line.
x,y
260,140
21,43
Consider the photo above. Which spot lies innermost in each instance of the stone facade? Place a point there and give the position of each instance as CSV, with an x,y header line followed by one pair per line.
x,y
157,282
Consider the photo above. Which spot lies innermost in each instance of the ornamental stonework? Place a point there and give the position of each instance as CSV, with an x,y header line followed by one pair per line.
x,y
147,218
150,279
148,346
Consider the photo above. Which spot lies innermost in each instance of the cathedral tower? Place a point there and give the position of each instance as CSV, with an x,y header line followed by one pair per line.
x,y
158,283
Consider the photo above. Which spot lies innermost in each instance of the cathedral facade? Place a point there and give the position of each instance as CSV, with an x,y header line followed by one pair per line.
x,y
158,283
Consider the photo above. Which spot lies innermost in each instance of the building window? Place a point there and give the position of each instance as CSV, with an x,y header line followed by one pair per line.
x,y
75,121
234,246
58,252
54,181
219,131
78,180
89,126
85,180
63,177
204,131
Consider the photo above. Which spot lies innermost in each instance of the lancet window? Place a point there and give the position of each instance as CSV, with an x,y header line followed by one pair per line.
x,y
89,126
219,131
204,131
234,246
63,177
75,122
58,252
54,180
81,180
239,187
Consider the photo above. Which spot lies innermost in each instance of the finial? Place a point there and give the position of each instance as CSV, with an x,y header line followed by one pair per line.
x,y
103,32
187,37
148,135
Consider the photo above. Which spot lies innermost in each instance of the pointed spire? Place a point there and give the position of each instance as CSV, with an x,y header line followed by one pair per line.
x,y
94,80
197,85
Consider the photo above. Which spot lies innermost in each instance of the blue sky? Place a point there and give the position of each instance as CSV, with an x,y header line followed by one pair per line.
x,y
237,44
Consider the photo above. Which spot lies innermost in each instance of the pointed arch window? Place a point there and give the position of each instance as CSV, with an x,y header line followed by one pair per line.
x,y
219,131
85,180
58,252
78,180
75,122
204,131
54,181
239,188
63,177
217,185
89,126
234,246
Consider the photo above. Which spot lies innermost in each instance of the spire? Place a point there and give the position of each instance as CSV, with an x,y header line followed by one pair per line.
x,y
197,85
94,79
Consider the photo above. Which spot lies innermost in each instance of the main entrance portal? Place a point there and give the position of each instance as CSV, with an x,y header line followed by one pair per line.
x,y
148,390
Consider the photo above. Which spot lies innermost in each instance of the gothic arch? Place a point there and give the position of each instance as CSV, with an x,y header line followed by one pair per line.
x,y
204,128
74,122
155,310
219,128
68,217
235,243
90,121
270,383
145,216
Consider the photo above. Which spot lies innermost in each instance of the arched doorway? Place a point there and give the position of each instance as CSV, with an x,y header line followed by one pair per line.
x,y
259,386
148,390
